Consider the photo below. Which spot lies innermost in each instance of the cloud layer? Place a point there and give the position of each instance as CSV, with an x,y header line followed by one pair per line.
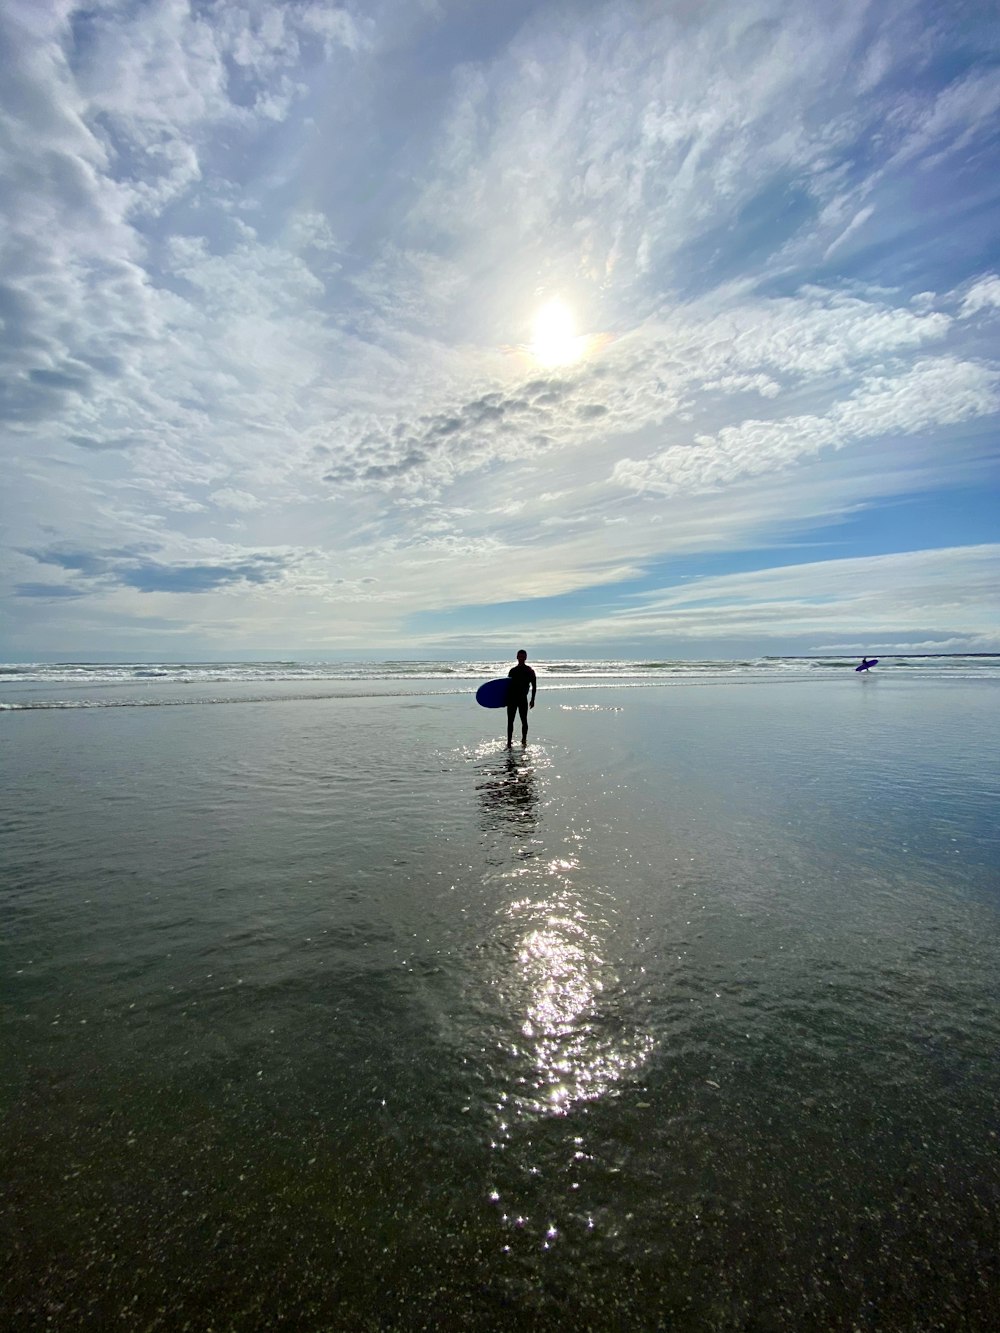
x,y
267,281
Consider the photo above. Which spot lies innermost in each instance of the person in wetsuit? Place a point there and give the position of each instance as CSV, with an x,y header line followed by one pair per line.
x,y
521,678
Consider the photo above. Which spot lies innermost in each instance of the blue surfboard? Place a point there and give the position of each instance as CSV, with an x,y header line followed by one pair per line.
x,y
866,663
493,694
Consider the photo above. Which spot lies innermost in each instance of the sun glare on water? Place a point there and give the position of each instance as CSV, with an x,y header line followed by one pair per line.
x,y
555,341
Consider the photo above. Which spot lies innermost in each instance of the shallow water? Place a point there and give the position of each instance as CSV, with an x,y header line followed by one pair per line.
x,y
338,1014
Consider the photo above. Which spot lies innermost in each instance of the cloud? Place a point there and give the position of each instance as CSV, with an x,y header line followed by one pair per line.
x,y
954,590
625,182
858,604
47,591
135,569
745,348
933,393
81,562
272,268
856,223
105,111
150,576
242,501
89,442
948,121
967,643
982,295
668,153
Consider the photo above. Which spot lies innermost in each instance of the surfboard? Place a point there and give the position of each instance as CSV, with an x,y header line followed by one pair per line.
x,y
865,664
493,694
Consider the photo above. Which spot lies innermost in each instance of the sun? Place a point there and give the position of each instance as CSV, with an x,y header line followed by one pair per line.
x,y
555,341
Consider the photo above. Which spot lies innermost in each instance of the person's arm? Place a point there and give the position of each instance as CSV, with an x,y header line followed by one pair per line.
x,y
534,688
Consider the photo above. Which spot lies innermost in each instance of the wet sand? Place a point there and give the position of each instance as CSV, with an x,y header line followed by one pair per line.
x,y
335,1014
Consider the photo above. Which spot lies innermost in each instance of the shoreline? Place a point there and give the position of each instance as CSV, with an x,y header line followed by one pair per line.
x,y
550,687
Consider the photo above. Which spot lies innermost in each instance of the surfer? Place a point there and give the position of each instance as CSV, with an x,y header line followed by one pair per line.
x,y
521,678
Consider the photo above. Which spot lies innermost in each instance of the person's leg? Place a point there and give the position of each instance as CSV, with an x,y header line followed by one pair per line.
x,y
522,708
511,711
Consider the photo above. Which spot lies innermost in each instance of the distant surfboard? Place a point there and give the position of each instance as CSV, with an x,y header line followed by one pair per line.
x,y
866,663
493,694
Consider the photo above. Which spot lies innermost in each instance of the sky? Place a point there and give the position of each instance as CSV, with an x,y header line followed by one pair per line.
x,y
432,328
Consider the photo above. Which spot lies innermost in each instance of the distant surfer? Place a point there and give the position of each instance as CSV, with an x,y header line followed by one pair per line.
x,y
867,663
521,678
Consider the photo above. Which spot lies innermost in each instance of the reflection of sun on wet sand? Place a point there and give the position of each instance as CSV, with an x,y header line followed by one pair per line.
x,y
558,990
576,1055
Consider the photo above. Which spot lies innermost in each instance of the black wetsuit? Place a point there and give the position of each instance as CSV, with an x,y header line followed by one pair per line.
x,y
522,679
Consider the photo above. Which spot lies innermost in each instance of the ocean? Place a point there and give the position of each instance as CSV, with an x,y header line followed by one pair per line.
x,y
148,684
324,1010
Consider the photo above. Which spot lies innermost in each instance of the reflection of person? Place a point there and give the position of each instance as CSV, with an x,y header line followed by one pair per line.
x,y
508,796
521,678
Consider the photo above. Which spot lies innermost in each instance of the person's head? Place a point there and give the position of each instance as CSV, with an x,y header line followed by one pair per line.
x,y
522,656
